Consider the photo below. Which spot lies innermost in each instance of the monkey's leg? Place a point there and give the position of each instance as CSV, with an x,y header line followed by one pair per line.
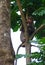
x,y
22,38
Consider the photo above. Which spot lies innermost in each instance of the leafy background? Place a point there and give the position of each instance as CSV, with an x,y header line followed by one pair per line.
x,y
36,9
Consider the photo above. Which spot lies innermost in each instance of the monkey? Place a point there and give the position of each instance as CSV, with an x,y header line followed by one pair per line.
x,y
30,26
30,29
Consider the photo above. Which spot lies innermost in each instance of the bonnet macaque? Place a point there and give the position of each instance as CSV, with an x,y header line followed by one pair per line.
x,y
30,29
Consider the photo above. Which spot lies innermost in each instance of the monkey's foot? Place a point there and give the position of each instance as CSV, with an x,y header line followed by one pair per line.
x,y
23,44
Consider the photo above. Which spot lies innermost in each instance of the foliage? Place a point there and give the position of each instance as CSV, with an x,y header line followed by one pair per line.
x,y
42,40
36,9
19,56
38,56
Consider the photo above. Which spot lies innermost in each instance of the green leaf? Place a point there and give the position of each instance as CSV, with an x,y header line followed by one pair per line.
x,y
19,56
35,55
42,40
40,11
32,63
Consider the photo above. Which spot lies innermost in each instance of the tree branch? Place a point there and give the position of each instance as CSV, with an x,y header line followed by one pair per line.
x,y
25,29
26,34
23,19
37,30
22,14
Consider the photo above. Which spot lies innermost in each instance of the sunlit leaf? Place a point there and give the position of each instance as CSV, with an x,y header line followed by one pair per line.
x,y
40,11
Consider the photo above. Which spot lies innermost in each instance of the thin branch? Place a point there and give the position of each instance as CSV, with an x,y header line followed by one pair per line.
x,y
22,14
23,19
36,31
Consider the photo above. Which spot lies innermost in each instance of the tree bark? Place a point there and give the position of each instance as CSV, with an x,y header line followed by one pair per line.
x,y
6,49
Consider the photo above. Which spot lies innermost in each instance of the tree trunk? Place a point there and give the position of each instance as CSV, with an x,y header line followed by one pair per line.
x,y
6,49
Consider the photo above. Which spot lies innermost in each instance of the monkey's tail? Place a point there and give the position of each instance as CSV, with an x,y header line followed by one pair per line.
x,y
17,52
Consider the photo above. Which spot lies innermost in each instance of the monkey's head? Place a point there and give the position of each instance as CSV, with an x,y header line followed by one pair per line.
x,y
29,20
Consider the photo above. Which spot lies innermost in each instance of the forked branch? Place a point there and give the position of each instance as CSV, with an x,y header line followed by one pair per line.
x,y
36,31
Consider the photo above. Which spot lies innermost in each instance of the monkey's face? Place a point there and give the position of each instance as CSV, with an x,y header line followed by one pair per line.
x,y
29,20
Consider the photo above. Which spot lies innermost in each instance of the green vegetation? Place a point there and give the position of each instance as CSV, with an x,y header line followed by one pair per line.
x,y
36,9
